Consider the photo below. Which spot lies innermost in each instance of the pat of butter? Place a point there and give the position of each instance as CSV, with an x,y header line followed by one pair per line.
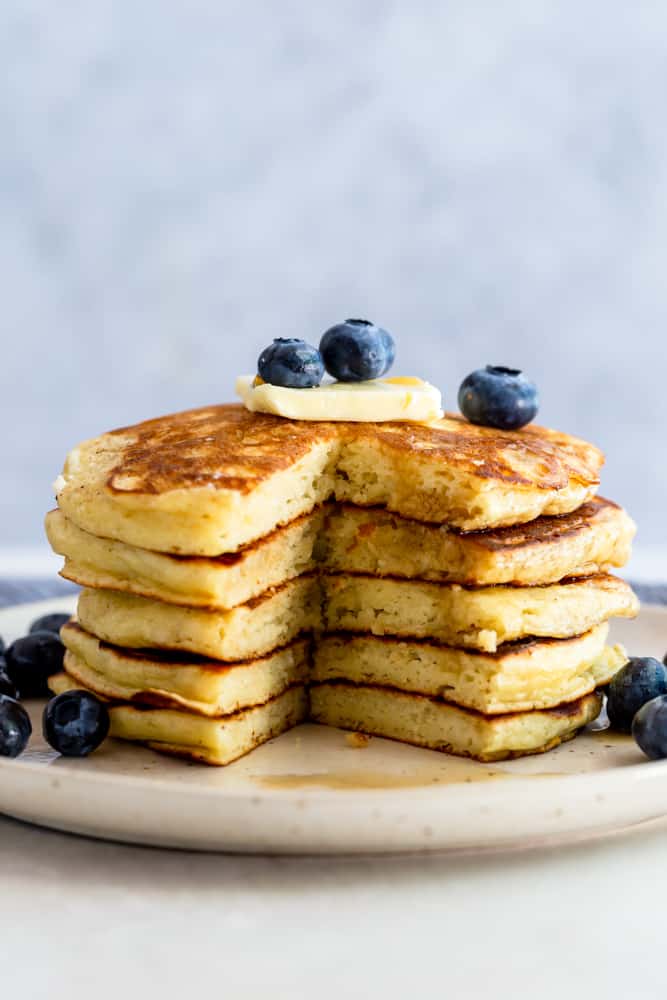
x,y
401,398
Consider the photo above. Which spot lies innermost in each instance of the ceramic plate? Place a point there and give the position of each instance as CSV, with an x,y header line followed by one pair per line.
x,y
312,791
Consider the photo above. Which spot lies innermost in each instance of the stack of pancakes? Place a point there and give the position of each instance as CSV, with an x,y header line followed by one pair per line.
x,y
442,584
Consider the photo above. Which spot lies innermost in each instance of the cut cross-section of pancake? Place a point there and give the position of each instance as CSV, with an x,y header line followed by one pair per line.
x,y
447,613
212,480
357,540
198,737
482,618
194,581
518,678
411,718
471,477
247,631
444,584
590,540
430,722
178,680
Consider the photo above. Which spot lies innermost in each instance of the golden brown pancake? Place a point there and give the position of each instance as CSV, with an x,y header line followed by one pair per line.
x,y
245,632
168,680
209,481
519,677
346,538
590,540
480,619
411,718
206,740
433,723
473,618
209,540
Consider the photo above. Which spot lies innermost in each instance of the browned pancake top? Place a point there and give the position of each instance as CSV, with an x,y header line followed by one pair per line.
x,y
227,447
535,457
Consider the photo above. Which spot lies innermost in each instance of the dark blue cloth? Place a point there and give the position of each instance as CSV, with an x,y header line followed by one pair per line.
x,y
21,591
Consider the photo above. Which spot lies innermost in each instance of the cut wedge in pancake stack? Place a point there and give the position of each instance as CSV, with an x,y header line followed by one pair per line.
x,y
443,584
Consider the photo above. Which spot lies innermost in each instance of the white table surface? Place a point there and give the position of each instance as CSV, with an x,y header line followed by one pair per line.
x,y
89,919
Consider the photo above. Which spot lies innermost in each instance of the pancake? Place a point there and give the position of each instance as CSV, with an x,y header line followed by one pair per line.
x,y
208,687
193,581
245,632
212,480
416,719
520,677
343,537
592,539
447,613
207,740
482,618
429,722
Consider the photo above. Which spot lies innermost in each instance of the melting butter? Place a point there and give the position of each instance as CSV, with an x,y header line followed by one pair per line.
x,y
401,398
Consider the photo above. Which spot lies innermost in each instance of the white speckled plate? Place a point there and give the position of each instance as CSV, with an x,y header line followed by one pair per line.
x,y
310,791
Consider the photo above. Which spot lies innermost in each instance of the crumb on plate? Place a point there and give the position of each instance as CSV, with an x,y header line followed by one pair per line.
x,y
357,740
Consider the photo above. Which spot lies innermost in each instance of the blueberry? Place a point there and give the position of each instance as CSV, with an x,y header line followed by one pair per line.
x,y
15,727
649,728
641,679
31,661
498,397
291,363
357,350
7,686
75,723
50,623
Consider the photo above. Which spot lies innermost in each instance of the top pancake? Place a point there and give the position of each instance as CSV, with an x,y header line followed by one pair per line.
x,y
209,481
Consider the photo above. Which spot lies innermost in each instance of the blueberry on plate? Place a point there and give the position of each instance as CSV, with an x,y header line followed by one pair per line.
x,y
15,727
649,728
75,723
7,686
50,623
639,681
498,397
357,350
291,363
31,660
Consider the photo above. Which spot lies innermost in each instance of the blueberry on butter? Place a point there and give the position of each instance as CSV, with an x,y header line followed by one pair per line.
x,y
293,364
498,397
357,350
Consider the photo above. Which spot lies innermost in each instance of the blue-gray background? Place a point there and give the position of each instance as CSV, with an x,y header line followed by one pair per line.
x,y
180,183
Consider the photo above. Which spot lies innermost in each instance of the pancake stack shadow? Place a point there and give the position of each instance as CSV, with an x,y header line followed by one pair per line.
x,y
445,585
